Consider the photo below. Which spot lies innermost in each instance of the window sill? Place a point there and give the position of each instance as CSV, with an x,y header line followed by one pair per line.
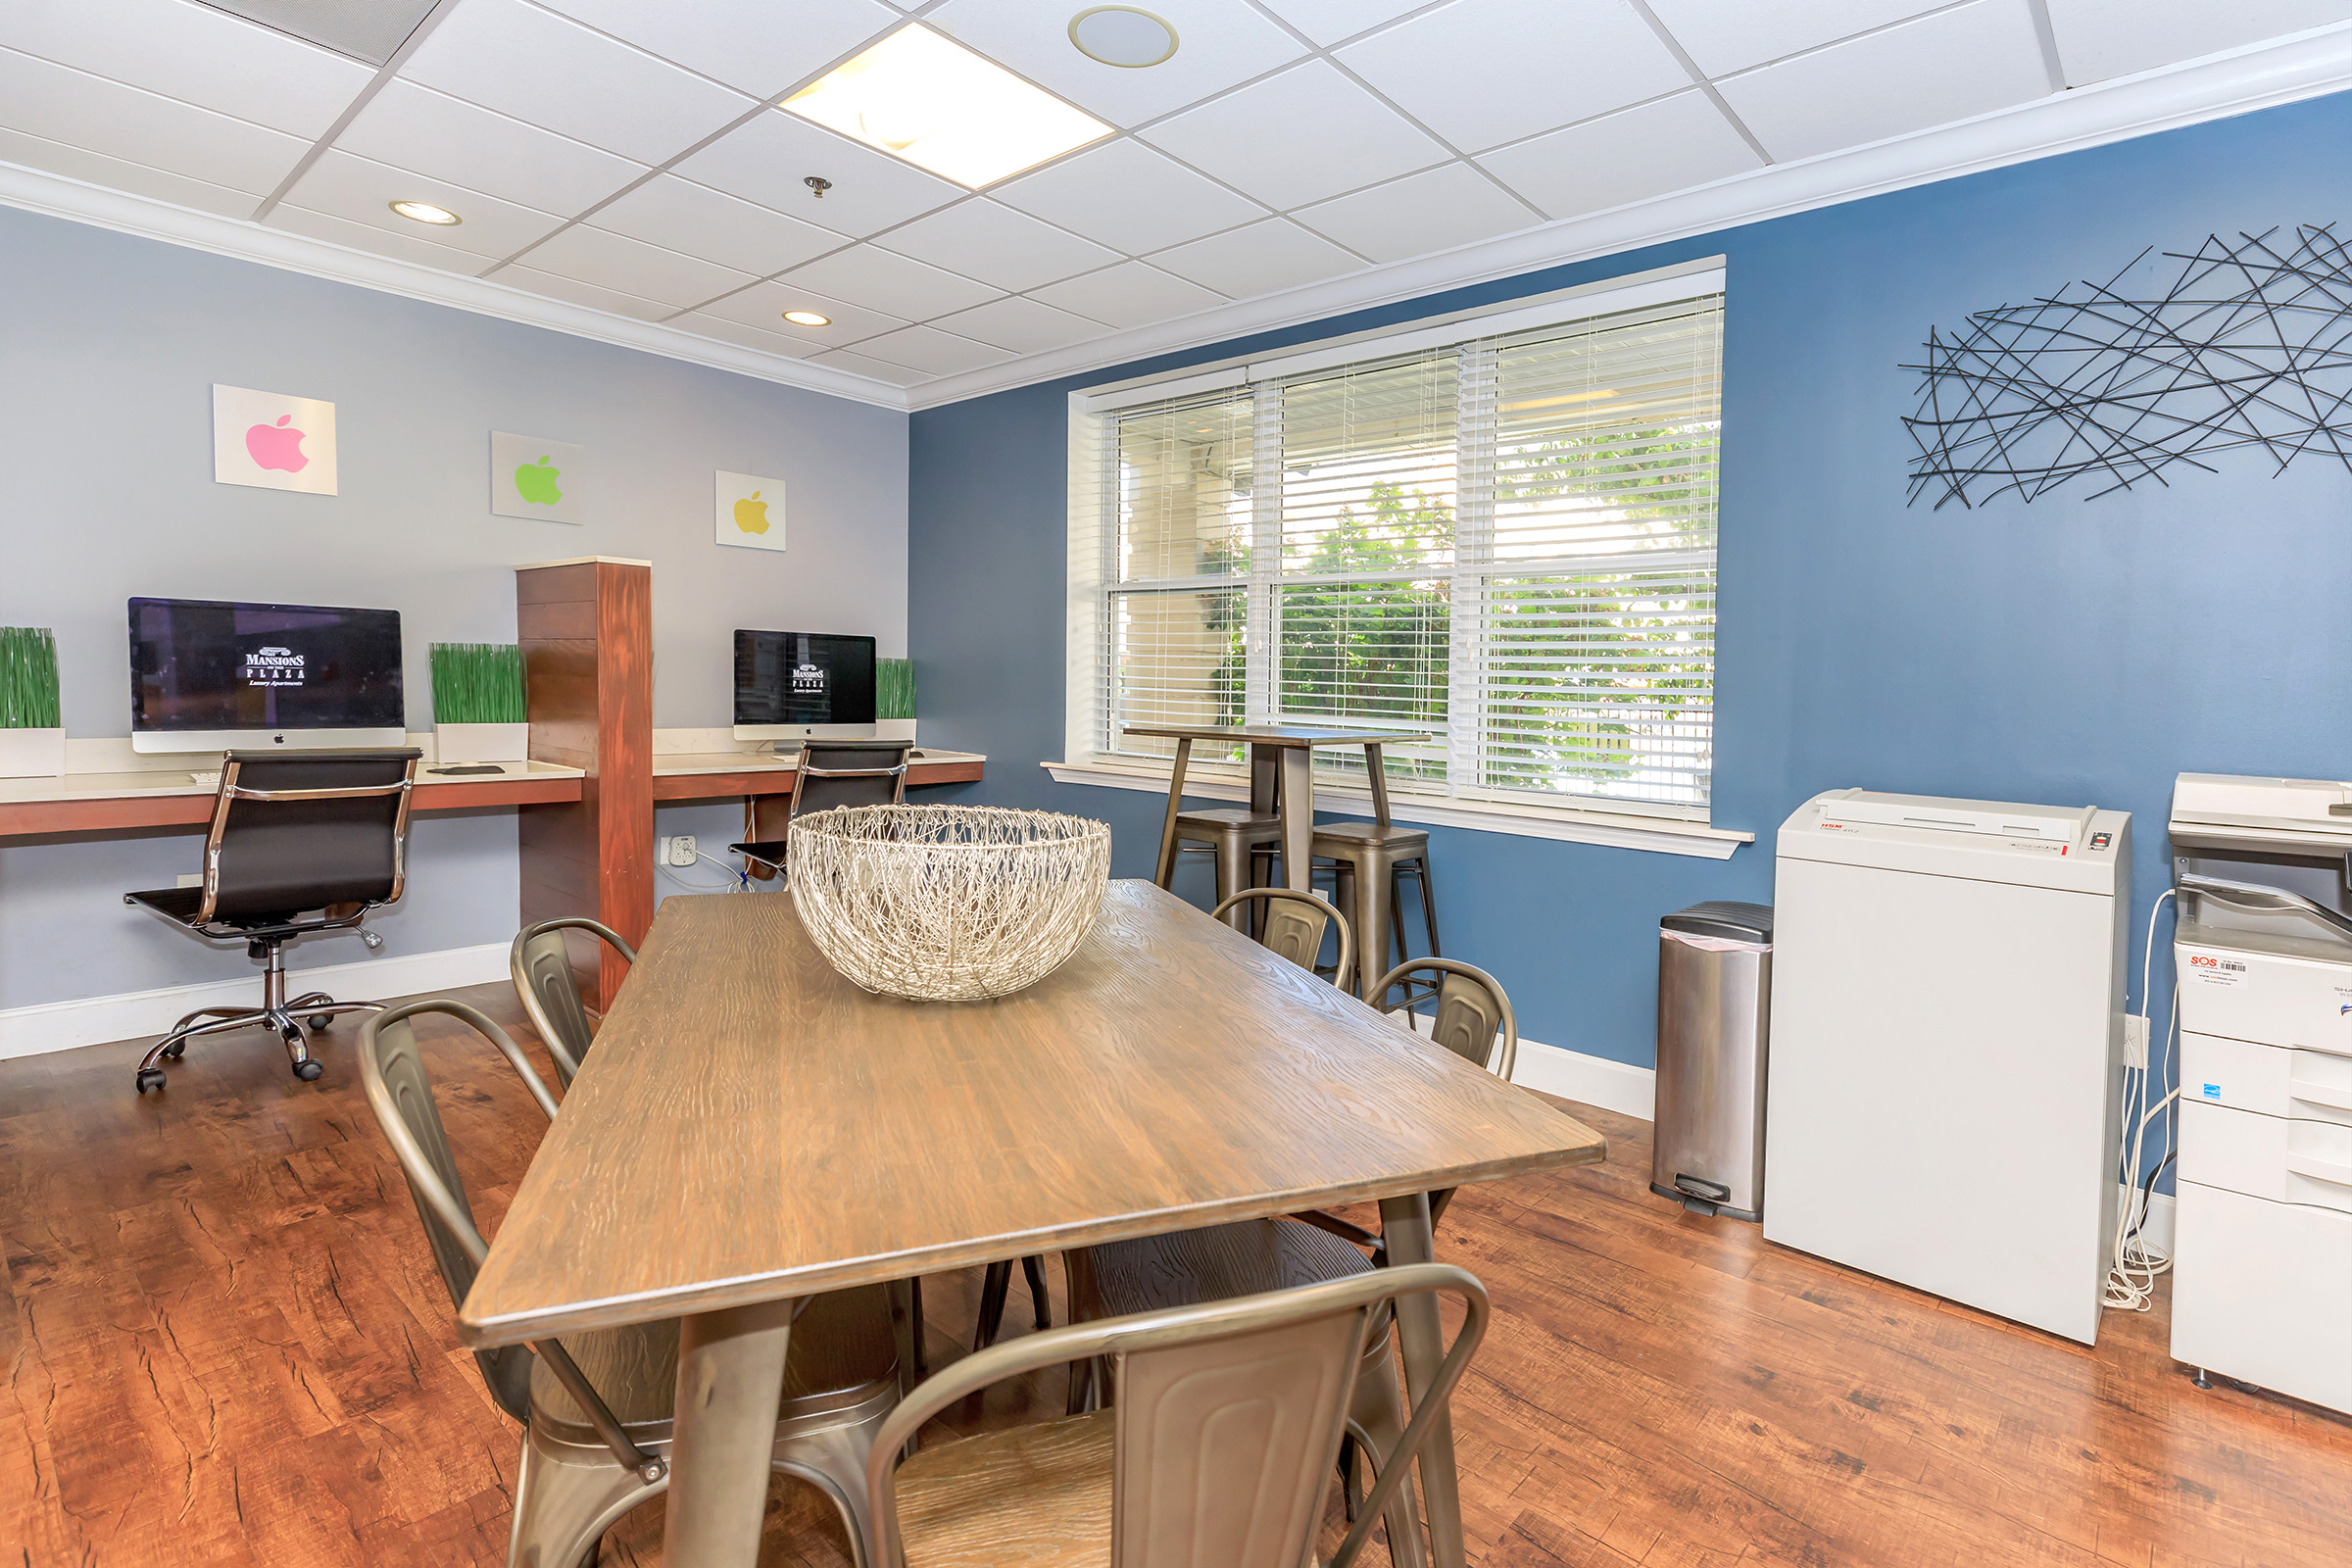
x,y
1660,835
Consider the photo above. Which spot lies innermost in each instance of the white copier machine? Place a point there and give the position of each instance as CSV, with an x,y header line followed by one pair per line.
x,y
2263,1240
1942,1095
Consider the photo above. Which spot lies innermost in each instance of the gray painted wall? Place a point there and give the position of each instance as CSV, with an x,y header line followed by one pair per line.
x,y
109,346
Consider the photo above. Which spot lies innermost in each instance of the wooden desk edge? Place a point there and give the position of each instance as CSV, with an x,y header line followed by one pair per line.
x,y
190,809
654,1306
779,780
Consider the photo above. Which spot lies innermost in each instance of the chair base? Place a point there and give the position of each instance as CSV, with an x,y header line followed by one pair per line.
x,y
293,1019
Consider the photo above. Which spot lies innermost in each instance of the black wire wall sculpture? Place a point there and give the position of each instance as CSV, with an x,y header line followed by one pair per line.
x,y
2250,346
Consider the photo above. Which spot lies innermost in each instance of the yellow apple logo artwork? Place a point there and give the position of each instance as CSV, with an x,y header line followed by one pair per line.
x,y
751,513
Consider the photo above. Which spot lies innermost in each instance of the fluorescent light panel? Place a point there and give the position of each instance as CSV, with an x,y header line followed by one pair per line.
x,y
943,108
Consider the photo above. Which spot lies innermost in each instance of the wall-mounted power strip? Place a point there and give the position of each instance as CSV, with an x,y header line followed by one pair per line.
x,y
679,850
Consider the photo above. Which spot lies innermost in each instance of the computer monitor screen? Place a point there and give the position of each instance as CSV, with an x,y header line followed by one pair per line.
x,y
207,675
803,685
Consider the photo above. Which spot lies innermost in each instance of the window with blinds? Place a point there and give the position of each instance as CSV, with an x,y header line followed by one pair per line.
x,y
1505,542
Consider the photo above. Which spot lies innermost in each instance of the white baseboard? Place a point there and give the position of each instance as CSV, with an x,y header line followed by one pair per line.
x,y
1616,1085
92,1020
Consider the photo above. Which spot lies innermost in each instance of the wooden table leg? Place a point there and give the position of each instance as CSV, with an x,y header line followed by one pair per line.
x,y
1404,1225
1298,817
730,1382
1168,830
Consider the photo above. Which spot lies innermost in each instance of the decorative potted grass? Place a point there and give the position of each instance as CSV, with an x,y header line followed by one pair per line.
x,y
478,709
32,737
894,689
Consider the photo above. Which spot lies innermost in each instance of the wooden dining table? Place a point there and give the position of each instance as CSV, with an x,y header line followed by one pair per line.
x,y
750,1129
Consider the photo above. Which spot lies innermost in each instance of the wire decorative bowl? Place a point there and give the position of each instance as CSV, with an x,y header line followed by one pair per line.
x,y
946,903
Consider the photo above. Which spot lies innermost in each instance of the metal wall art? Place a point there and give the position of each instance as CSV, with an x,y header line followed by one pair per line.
x,y
2249,346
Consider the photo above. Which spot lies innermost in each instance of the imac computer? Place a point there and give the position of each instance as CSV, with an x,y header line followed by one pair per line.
x,y
800,686
210,676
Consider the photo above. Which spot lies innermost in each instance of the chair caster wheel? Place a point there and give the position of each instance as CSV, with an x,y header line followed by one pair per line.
x,y
319,1022
310,1072
150,1078
175,1052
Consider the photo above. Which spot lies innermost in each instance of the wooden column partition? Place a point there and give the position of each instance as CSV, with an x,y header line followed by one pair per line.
x,y
587,632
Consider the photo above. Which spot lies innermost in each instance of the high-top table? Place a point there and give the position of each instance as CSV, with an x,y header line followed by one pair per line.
x,y
751,1128
1287,752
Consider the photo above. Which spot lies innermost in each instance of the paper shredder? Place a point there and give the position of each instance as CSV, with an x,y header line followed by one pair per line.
x,y
1714,1027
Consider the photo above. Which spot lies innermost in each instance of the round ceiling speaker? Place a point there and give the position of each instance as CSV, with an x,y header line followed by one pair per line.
x,y
1122,35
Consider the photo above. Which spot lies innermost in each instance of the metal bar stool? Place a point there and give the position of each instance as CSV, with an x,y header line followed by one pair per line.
x,y
1372,860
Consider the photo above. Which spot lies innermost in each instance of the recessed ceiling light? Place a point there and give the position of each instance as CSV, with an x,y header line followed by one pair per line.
x,y
1122,35
808,319
943,108
427,213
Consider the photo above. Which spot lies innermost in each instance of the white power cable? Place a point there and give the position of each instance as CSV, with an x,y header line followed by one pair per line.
x,y
2135,1261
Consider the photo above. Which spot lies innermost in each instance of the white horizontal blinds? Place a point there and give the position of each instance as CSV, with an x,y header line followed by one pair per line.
x,y
1181,475
1369,458
1596,650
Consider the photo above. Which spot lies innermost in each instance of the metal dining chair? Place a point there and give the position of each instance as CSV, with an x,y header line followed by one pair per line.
x,y
1295,923
549,988
1218,1450
596,1408
831,774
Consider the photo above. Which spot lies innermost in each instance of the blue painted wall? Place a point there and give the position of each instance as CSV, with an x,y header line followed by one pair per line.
x,y
2066,650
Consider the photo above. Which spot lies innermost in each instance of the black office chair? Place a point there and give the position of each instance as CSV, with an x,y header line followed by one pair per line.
x,y
837,773
291,834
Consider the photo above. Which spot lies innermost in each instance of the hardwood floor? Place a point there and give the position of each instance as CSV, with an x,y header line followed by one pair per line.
x,y
226,1343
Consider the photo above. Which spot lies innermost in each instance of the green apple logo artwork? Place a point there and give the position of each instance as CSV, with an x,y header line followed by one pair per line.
x,y
535,482
751,513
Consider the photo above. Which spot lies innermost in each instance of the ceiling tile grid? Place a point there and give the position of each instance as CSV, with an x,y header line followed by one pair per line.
x,y
628,156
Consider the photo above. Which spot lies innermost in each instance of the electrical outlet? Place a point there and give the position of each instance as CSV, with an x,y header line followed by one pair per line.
x,y
190,879
678,851
2136,1040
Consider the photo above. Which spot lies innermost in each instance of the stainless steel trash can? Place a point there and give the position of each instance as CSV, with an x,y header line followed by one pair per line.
x,y
1714,1027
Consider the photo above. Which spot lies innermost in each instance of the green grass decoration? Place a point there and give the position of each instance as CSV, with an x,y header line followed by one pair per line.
x,y
28,678
894,688
479,683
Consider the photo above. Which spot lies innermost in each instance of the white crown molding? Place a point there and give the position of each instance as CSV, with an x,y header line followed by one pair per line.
x,y
2306,65
60,197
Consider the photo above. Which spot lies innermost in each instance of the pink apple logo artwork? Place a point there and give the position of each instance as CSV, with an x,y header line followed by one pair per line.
x,y
273,440
277,446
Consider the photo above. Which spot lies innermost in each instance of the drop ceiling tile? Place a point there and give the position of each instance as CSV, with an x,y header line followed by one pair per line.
x,y
1668,145
96,168
1967,61
371,31
377,241
1128,197
768,160
756,45
533,282
763,305
428,132
996,245
1435,209
1220,43
543,69
58,104
685,217
929,349
1723,39
749,337
1327,22
893,284
1484,71
592,255
192,53
2102,38
873,369
1022,325
363,190
1130,294
1261,259
1249,140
